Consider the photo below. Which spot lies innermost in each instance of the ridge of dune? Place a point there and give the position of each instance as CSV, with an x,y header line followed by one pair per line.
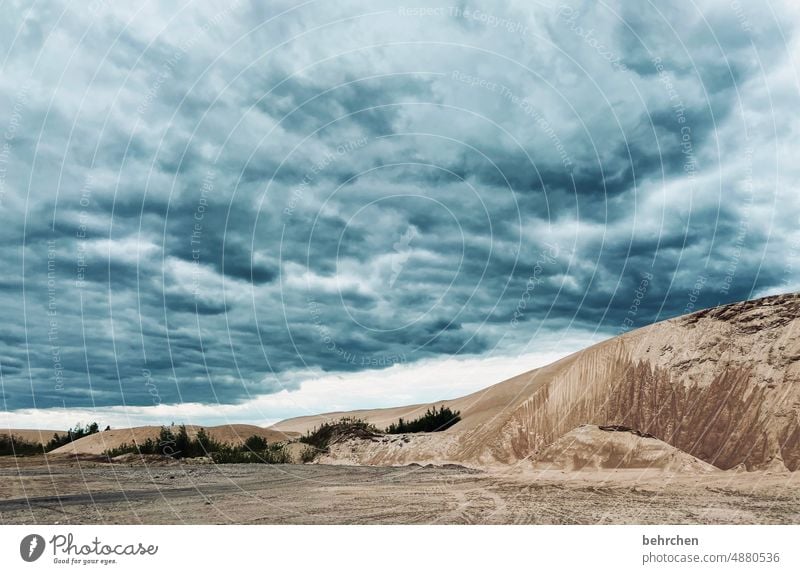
x,y
234,434
722,385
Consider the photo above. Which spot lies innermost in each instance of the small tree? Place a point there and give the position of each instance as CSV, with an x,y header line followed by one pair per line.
x,y
183,445
432,421
203,444
308,455
166,441
256,443
14,445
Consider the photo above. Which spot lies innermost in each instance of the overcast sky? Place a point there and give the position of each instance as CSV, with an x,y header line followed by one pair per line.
x,y
247,211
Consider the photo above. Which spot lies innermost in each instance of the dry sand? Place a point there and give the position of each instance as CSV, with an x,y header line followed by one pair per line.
x,y
85,492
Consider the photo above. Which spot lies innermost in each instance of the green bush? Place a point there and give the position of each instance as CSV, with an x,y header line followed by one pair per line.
x,y
432,421
256,443
10,445
165,445
179,445
308,455
273,454
323,436
125,448
183,444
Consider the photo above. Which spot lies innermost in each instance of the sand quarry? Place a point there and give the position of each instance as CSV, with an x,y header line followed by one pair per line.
x,y
693,420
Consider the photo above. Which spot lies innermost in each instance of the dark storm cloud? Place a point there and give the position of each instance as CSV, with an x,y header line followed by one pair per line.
x,y
198,213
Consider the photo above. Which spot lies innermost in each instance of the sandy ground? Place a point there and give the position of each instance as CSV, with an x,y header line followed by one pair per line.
x,y
64,490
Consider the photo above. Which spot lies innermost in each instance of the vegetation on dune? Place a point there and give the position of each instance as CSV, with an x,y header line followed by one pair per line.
x,y
71,435
273,454
256,443
20,447
321,437
17,446
308,455
432,421
255,449
175,442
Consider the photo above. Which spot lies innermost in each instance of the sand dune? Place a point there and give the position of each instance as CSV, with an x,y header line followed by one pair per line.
x,y
232,434
589,448
720,385
723,385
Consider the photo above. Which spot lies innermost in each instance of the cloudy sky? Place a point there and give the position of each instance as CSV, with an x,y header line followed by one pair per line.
x,y
248,211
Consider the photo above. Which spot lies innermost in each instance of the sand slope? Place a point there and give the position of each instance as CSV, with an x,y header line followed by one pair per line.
x,y
102,441
590,448
723,385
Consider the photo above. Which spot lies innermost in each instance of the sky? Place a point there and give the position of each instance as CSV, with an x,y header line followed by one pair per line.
x,y
245,211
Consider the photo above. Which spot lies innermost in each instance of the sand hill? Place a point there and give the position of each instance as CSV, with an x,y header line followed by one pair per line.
x,y
722,385
590,447
232,434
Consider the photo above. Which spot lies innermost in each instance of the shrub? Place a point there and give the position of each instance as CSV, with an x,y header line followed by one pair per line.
x,y
11,445
124,448
272,454
166,442
203,444
432,421
277,454
330,432
183,444
149,446
256,443
179,445
308,455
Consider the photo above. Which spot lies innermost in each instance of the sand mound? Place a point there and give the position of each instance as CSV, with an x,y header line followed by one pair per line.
x,y
393,450
232,434
723,385
590,448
